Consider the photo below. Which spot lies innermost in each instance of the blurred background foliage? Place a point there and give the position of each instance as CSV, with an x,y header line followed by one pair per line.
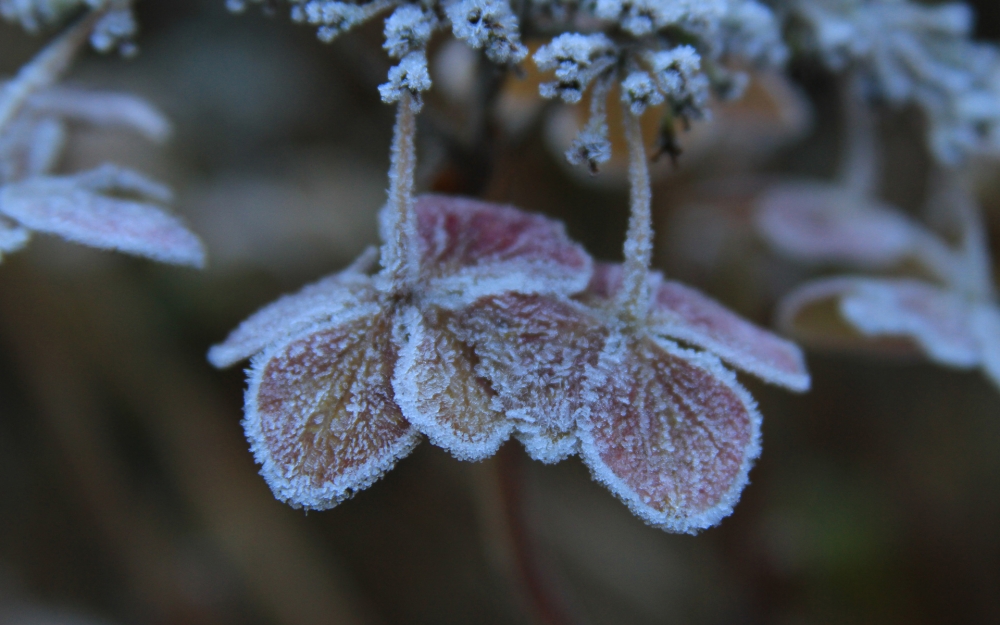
x,y
128,495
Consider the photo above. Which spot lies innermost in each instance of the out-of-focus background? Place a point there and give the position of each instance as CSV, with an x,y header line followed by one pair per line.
x,y
128,494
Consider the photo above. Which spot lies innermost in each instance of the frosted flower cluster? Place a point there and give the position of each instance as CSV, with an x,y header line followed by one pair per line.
x,y
916,53
650,63
509,330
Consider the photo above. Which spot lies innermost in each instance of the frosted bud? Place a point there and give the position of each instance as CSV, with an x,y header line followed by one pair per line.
x,y
591,147
488,24
577,59
410,74
639,92
641,17
408,29
114,29
675,68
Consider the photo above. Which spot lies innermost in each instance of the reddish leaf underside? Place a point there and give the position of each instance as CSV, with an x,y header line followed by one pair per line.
x,y
536,352
670,432
440,392
472,249
321,414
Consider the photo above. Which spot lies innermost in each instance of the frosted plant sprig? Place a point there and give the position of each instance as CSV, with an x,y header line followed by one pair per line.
x,y
108,207
915,53
592,146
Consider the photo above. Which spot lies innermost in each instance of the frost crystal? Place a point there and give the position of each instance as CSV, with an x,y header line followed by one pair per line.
x,y
488,24
410,75
577,60
407,30
639,92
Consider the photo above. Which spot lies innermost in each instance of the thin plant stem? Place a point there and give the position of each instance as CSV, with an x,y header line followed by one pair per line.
x,y
47,66
548,606
633,298
860,166
400,255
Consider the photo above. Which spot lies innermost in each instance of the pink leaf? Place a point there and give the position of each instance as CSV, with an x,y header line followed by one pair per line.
x,y
103,108
66,207
441,393
827,224
340,297
670,432
536,352
685,314
471,249
321,415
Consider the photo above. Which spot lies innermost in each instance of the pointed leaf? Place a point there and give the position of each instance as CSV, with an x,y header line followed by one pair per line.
x,y
670,432
63,205
321,416
471,249
682,313
536,352
103,108
441,393
339,298
822,223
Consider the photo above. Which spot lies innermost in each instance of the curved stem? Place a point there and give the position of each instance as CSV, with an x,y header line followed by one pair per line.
x,y
859,165
633,298
47,66
400,254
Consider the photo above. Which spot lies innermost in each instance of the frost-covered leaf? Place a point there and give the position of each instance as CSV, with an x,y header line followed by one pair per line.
x,y
69,207
897,314
102,108
441,393
321,415
536,352
670,432
936,319
470,249
827,224
685,314
341,296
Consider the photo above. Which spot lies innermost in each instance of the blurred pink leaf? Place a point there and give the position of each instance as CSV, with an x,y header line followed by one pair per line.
x,y
79,208
102,108
822,223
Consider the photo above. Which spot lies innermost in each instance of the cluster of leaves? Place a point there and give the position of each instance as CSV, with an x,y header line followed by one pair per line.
x,y
108,207
508,330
